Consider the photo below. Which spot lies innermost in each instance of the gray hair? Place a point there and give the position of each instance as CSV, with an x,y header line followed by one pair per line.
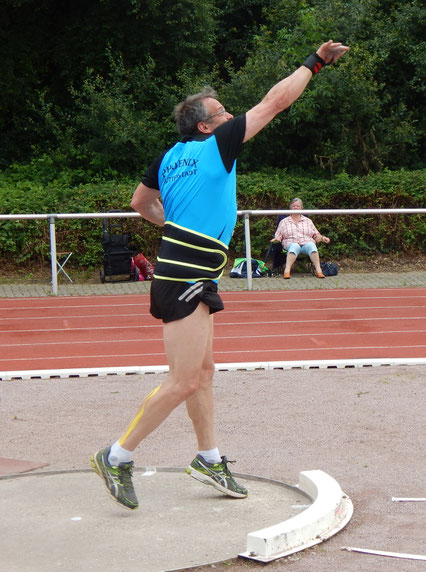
x,y
191,111
295,200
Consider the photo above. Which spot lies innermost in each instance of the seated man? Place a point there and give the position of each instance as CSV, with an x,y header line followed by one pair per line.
x,y
298,234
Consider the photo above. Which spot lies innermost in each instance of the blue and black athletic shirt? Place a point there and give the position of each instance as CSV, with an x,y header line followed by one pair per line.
x,y
197,182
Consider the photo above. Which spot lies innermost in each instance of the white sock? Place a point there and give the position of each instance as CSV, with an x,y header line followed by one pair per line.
x,y
212,456
119,455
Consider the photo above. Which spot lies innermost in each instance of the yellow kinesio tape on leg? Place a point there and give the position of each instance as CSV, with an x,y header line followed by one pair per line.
x,y
138,416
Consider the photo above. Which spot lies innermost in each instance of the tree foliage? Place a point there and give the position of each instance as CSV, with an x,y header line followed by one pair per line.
x,y
353,116
92,84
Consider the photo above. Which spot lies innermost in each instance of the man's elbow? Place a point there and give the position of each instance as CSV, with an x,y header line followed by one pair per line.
x,y
134,203
139,199
275,102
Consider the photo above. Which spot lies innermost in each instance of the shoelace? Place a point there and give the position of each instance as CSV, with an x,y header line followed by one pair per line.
x,y
126,473
225,464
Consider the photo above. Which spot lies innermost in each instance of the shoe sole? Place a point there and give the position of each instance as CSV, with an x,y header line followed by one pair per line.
x,y
206,480
99,472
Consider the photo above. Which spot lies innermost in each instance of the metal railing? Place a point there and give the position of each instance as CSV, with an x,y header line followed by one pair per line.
x,y
52,218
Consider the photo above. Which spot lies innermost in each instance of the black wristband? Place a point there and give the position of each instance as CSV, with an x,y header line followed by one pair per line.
x,y
314,63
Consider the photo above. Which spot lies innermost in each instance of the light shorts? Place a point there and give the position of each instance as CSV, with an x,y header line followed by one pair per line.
x,y
308,248
172,300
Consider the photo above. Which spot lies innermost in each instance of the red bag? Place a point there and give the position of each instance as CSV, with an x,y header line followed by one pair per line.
x,y
146,269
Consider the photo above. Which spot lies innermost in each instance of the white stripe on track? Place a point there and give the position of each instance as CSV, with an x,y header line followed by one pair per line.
x,y
223,294
219,337
141,315
138,356
218,325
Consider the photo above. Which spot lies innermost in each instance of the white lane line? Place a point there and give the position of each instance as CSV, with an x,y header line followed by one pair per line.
x,y
284,296
219,352
218,337
218,325
403,296
75,306
293,350
283,310
237,301
83,356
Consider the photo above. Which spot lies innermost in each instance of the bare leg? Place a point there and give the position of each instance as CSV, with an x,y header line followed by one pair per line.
x,y
186,342
316,262
200,405
290,260
200,409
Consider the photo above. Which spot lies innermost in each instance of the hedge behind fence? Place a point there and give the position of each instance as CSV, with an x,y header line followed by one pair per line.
x,y
352,236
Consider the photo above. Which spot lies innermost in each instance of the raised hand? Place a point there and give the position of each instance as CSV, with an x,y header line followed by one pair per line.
x,y
331,51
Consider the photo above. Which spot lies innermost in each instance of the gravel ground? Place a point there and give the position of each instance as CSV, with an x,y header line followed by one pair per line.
x,y
363,426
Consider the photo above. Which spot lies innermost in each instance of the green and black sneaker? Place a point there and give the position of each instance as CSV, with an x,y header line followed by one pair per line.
x,y
118,480
216,474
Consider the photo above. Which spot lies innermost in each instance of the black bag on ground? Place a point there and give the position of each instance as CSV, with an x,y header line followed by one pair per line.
x,y
329,268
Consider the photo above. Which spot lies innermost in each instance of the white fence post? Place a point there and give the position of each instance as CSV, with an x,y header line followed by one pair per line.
x,y
248,250
53,254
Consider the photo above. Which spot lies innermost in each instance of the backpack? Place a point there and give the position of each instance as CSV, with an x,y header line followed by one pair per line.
x,y
329,269
145,268
258,268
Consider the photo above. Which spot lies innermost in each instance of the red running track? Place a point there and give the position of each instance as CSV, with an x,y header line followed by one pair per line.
x,y
118,331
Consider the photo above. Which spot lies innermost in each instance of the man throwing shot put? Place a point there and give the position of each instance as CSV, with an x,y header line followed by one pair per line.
x,y
195,180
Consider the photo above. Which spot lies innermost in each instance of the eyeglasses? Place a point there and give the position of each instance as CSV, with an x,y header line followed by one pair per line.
x,y
214,114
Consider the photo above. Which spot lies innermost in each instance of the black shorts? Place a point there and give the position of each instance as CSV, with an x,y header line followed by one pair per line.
x,y
172,301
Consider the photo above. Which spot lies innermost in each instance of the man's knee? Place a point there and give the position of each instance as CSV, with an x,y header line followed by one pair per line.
x,y
191,382
183,388
206,376
190,388
208,366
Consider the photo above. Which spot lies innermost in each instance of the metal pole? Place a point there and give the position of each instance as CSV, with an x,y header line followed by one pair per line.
x,y
53,255
248,250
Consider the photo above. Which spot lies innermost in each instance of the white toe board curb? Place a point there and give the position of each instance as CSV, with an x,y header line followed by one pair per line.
x,y
330,511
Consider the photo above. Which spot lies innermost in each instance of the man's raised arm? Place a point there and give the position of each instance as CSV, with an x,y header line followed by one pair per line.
x,y
285,92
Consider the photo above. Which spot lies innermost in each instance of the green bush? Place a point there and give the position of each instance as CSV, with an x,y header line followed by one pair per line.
x,y
351,236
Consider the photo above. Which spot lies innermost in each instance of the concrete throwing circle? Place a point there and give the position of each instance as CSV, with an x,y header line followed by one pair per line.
x,y
65,520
